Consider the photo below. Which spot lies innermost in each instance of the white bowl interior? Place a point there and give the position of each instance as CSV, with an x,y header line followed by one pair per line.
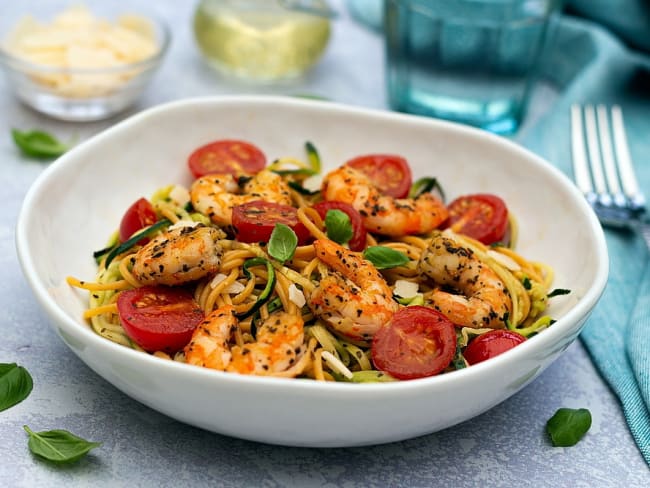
x,y
77,203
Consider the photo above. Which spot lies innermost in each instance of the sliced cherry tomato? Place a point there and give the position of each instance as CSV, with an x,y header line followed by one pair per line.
x,y
139,215
359,233
159,318
417,342
388,172
491,344
226,156
483,217
254,221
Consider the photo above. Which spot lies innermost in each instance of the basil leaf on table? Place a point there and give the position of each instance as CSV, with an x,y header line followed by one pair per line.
x,y
384,257
38,144
338,226
15,385
282,243
568,426
59,446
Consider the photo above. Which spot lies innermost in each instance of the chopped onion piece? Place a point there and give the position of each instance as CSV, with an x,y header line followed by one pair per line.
x,y
405,289
503,260
296,296
335,363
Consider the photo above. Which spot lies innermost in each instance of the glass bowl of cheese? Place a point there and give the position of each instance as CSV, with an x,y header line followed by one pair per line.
x,y
80,67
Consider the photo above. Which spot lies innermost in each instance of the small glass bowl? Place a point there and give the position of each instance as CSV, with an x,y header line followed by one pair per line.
x,y
85,94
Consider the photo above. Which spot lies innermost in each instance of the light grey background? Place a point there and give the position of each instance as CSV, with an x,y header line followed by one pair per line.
x,y
506,446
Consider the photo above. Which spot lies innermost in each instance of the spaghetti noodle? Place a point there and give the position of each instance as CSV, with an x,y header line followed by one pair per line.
x,y
257,291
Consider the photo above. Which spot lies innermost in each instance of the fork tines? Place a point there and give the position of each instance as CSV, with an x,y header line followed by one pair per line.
x,y
603,168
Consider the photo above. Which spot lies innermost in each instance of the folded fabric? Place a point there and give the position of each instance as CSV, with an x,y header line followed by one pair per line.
x,y
586,64
628,19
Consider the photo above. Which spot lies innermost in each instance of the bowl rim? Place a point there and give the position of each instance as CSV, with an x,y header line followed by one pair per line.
x,y
164,41
547,339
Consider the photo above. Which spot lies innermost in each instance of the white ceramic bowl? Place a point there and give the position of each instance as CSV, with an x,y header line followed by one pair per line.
x,y
78,201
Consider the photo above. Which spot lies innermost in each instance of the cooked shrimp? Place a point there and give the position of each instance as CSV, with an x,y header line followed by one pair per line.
x,y
179,255
354,299
484,301
215,195
383,214
277,348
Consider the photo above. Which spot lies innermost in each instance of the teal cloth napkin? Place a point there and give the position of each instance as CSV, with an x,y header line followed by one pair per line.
x,y
588,64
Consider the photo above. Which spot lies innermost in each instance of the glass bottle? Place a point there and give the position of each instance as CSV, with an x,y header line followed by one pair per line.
x,y
262,40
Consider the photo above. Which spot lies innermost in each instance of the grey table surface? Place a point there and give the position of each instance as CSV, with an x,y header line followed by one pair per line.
x,y
506,446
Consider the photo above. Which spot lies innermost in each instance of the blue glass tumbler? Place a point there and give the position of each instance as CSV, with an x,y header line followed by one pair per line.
x,y
470,61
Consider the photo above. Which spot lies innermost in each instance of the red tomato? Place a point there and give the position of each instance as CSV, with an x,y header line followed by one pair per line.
x,y
159,318
491,344
359,233
226,156
390,173
254,221
483,217
139,215
417,342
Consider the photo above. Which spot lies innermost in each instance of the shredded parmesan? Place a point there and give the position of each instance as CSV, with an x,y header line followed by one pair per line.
x,y
76,39
179,195
296,296
503,260
218,278
405,289
336,364
183,223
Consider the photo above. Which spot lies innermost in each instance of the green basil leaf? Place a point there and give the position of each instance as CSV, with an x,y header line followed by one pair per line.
x,y
15,385
38,144
59,446
425,185
568,426
282,243
384,257
558,292
338,226
313,156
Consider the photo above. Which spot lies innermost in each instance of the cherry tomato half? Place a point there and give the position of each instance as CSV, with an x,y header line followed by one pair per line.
x,y
491,344
483,217
226,156
359,233
388,172
139,215
417,342
159,318
254,221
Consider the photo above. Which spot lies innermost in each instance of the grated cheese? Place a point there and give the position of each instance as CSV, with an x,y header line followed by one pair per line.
x,y
76,39
335,363
503,260
296,296
405,289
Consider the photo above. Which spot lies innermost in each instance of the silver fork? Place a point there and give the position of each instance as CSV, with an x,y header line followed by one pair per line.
x,y
603,168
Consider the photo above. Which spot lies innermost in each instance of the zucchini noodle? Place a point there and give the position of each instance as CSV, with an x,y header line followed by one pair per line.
x,y
325,354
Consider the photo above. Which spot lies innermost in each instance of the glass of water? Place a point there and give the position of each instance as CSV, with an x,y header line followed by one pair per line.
x,y
470,61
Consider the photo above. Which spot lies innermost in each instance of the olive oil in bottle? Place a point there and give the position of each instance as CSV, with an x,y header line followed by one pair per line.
x,y
260,40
